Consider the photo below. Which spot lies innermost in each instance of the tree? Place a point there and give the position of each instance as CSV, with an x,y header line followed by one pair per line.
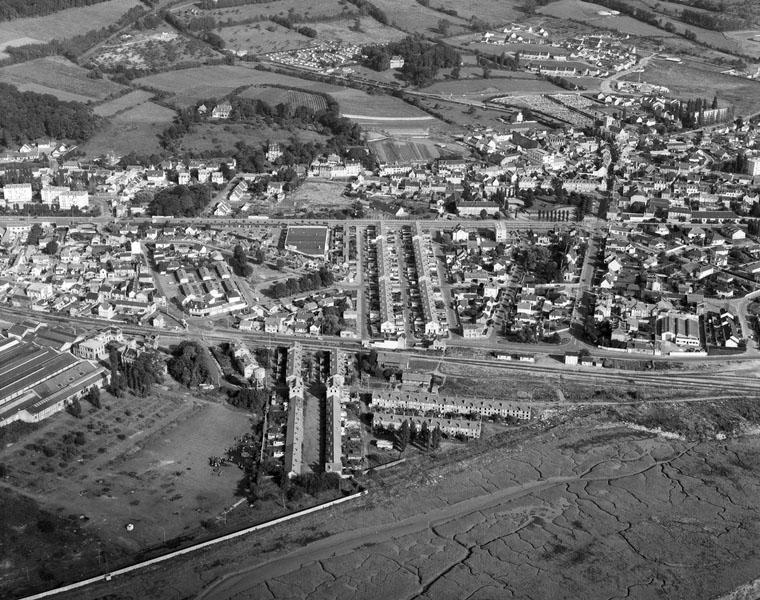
x,y
51,247
435,437
239,262
404,435
413,431
75,408
425,435
444,26
93,396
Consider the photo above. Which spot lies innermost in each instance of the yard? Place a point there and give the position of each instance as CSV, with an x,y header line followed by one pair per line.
x,y
60,77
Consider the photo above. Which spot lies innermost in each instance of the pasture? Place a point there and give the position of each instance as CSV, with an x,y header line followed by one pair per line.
x,y
199,83
274,96
261,38
236,15
493,12
480,89
691,79
63,24
222,138
60,77
747,41
361,30
122,103
398,151
588,14
412,17
133,130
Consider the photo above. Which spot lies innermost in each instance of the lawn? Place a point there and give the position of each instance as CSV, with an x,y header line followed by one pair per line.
x,y
60,77
63,24
691,79
133,130
364,30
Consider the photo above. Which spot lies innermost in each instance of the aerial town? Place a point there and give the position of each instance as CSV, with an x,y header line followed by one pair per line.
x,y
294,296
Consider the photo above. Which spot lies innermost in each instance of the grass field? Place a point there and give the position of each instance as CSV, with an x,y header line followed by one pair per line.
x,y
274,96
478,89
368,31
691,79
63,24
412,17
356,102
260,38
222,138
587,13
60,77
306,12
190,85
494,12
747,41
133,130
392,151
122,103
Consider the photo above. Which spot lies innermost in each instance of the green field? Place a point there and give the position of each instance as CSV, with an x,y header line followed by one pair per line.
x,y
691,79
63,24
217,138
133,130
393,151
122,103
480,89
60,77
261,38
412,17
324,9
364,30
199,83
274,96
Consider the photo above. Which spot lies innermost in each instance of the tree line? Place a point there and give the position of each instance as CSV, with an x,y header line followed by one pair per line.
x,y
16,9
29,115
306,283
190,364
